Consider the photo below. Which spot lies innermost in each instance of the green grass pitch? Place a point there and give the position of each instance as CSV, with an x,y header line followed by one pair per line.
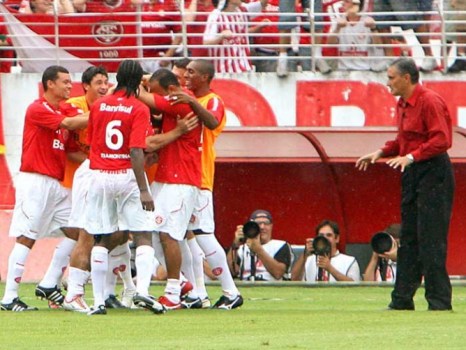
x,y
272,317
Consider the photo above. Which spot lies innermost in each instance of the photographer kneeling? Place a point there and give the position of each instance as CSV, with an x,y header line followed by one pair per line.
x,y
382,265
321,260
254,255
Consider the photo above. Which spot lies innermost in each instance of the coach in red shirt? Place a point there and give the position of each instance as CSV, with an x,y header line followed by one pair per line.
x,y
420,151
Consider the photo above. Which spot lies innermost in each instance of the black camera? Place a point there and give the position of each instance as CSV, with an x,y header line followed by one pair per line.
x,y
321,246
251,230
381,242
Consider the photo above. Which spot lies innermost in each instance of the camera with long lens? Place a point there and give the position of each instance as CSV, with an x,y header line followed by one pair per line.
x,y
250,230
381,242
321,246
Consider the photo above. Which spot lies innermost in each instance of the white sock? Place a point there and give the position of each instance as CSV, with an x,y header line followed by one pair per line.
x,y
198,268
318,52
99,266
217,259
144,268
77,279
16,263
172,290
125,267
60,260
187,266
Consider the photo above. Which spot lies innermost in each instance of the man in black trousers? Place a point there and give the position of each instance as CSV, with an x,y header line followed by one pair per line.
x,y
420,151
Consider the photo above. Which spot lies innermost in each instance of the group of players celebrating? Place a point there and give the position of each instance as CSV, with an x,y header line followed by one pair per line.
x,y
134,161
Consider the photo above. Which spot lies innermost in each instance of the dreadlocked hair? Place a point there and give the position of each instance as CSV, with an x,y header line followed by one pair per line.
x,y
129,76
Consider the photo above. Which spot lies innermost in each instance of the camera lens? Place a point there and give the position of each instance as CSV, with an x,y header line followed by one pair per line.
x,y
251,229
381,242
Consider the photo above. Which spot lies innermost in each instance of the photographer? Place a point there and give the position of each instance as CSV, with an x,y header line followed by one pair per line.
x,y
260,258
328,264
382,267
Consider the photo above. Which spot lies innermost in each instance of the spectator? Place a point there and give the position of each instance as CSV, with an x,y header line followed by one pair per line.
x,y
161,22
105,6
265,38
270,258
46,7
353,35
382,267
417,22
287,6
335,267
460,32
227,34
196,15
6,56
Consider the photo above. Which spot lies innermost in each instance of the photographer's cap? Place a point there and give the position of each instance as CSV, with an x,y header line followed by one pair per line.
x,y
260,213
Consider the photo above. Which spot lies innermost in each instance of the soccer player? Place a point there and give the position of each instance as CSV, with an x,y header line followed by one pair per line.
x,y
95,85
119,197
211,110
177,180
42,204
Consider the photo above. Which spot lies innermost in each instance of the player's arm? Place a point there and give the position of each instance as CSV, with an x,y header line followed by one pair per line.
x,y
77,157
207,118
137,163
77,122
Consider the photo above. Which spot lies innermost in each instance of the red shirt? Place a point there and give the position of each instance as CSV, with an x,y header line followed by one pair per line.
x,y
44,140
424,126
116,124
101,6
196,30
179,161
159,21
271,12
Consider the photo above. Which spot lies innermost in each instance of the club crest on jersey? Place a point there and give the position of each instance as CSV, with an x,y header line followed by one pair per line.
x,y
217,271
108,32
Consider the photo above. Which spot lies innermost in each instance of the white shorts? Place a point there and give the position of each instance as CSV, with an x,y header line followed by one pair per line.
x,y
174,205
203,215
42,207
81,182
113,203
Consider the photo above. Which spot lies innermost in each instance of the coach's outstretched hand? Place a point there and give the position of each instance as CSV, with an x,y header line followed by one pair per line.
x,y
363,162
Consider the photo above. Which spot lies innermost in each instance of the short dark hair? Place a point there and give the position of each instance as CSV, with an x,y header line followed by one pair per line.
x,y
129,76
182,63
332,224
51,73
407,66
165,78
91,72
206,67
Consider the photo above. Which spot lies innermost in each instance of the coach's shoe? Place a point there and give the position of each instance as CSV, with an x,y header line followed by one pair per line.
x,y
191,303
127,298
52,294
206,304
17,306
113,303
186,287
148,303
406,307
168,304
77,304
100,310
226,303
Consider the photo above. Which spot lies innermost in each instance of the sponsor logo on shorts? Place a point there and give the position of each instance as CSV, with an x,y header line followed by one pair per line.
x,y
158,219
18,280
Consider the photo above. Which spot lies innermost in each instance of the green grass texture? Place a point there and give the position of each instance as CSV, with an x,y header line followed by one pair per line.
x,y
272,317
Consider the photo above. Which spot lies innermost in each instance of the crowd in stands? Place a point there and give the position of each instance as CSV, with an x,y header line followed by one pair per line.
x,y
274,35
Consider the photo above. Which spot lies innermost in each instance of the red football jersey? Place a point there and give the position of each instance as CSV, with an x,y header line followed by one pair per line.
x,y
116,124
179,161
102,6
44,140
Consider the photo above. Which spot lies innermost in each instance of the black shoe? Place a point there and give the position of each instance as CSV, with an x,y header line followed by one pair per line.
x,y
191,303
393,307
458,65
225,303
17,306
52,294
101,310
113,303
149,303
